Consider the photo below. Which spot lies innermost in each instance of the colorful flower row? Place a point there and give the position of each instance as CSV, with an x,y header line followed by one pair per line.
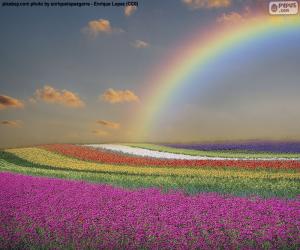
x,y
42,156
138,151
146,152
256,146
58,214
287,188
225,153
109,157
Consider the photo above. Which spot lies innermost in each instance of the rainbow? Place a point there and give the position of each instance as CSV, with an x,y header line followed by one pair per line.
x,y
198,52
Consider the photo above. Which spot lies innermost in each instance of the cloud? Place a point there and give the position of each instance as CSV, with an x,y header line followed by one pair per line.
x,y
11,123
32,100
109,124
129,10
234,17
139,44
96,27
207,4
100,132
64,97
119,96
10,102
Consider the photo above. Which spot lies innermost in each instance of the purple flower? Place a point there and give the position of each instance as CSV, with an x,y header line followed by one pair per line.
x,y
56,213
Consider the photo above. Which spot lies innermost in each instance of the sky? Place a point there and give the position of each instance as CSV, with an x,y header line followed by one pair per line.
x,y
83,75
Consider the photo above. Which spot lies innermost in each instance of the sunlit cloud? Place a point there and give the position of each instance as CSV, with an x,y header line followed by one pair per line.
x,y
100,132
235,17
139,44
10,102
11,123
119,96
64,97
207,4
96,27
129,10
108,124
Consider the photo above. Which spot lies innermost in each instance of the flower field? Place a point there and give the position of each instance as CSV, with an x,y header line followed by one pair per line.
x,y
146,196
273,147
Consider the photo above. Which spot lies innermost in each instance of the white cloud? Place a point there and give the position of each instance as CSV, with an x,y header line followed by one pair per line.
x,y
139,44
96,27
129,10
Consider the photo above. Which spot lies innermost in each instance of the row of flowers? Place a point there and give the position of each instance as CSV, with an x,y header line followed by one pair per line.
x,y
58,214
286,188
42,156
215,153
255,146
145,152
118,158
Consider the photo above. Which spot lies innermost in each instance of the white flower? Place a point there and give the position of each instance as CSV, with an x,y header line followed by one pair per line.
x,y
165,155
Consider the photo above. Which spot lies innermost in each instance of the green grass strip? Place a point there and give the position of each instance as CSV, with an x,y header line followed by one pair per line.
x,y
225,154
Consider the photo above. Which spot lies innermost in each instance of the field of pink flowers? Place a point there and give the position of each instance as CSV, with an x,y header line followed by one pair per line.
x,y
52,213
76,197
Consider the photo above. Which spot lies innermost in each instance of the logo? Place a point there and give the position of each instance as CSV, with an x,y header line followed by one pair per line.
x,y
274,7
283,7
